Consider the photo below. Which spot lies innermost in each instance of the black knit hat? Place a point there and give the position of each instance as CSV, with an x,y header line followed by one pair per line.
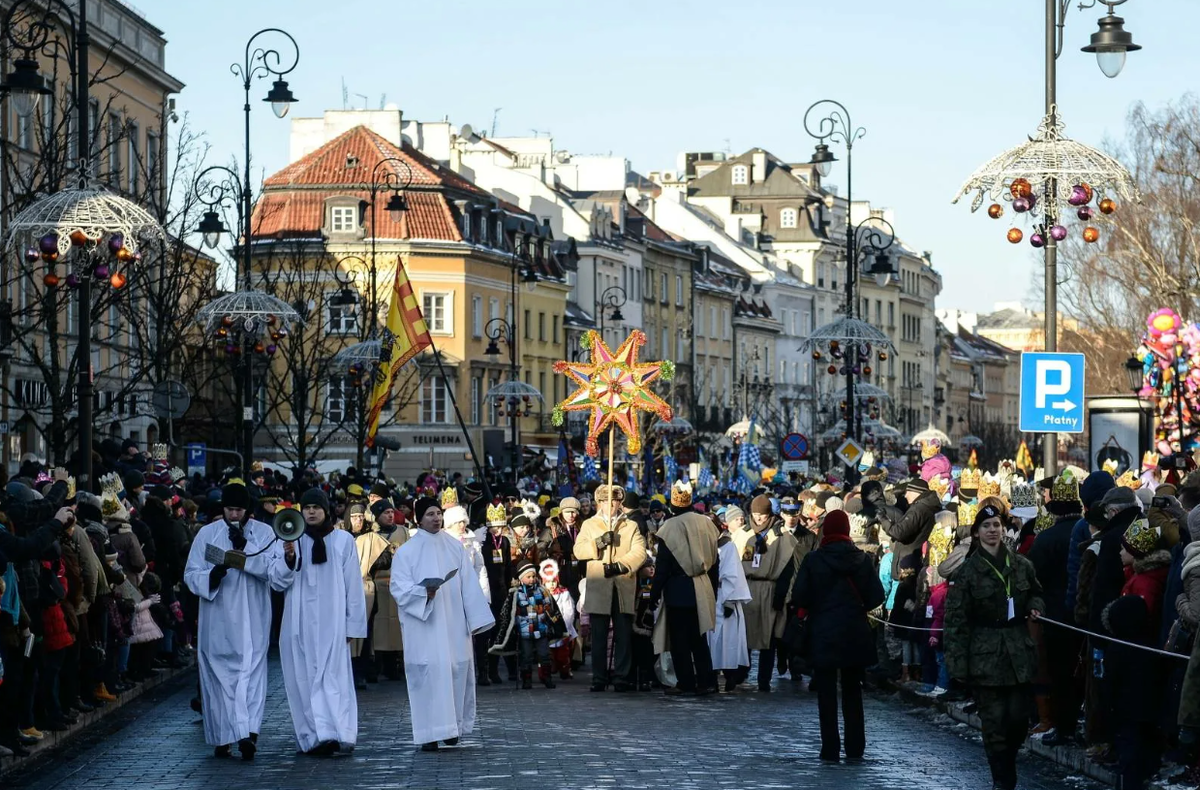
x,y
133,480
381,506
525,566
423,504
235,495
315,496
520,520
356,508
379,490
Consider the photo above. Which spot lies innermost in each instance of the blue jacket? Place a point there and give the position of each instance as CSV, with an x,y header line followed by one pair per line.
x,y
885,578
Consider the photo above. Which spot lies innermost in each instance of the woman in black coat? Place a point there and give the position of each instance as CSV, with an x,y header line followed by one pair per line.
x,y
837,586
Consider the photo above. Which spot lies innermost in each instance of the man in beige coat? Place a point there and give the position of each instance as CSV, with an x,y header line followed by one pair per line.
x,y
767,550
614,551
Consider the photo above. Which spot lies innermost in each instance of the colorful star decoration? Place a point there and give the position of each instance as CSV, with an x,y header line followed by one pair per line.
x,y
613,388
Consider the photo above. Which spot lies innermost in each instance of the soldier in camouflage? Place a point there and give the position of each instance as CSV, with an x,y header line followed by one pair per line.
x,y
987,641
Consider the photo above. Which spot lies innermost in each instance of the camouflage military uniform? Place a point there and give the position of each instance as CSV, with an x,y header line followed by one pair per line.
x,y
993,654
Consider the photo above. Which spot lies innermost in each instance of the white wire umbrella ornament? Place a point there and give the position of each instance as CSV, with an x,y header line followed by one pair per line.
x,y
516,397
249,311
676,426
862,391
970,441
930,434
872,429
1086,182
85,218
846,331
365,352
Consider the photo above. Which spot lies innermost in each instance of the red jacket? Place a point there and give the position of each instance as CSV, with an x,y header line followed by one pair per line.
x,y
937,599
1147,578
55,633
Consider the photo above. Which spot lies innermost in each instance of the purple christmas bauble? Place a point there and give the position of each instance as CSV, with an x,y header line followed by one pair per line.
x,y
1021,205
32,255
72,280
115,243
1058,232
48,243
1079,196
1085,213
102,271
230,348
272,348
1037,240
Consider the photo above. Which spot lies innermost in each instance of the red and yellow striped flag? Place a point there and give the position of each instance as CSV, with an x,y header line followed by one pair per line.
x,y
1024,459
405,336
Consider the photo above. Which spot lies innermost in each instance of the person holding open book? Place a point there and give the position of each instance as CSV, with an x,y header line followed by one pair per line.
x,y
234,628
441,607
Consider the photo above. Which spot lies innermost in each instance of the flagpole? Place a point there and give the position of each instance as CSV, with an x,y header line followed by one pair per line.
x,y
437,356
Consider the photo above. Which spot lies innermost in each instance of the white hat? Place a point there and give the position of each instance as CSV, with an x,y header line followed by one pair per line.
x,y
455,515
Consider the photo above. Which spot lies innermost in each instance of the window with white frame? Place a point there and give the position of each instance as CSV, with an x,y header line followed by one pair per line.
x,y
741,175
466,225
663,295
712,322
665,348
700,322
787,218
337,395
343,219
493,308
679,290
438,311
435,400
152,164
476,316
340,319
114,149
493,382
726,327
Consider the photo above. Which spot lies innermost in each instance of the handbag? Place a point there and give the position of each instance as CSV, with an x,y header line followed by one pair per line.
x,y
1180,638
795,635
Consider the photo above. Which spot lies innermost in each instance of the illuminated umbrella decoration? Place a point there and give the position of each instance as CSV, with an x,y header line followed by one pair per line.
x,y
613,388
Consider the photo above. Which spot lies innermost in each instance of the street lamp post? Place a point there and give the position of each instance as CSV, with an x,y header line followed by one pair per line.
x,y
259,62
500,330
837,126
389,173
612,299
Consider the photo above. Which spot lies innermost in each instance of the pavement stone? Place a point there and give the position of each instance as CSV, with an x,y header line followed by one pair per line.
x,y
564,738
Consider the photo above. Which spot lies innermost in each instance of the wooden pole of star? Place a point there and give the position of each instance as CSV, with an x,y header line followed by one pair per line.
x,y
612,440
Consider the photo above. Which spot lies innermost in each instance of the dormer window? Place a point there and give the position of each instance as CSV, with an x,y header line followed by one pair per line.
x,y
466,225
343,219
741,175
787,218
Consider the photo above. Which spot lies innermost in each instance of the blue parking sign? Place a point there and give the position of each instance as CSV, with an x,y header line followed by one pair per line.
x,y
1052,392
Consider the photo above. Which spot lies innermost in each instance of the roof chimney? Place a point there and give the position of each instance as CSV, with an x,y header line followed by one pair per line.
x,y
758,171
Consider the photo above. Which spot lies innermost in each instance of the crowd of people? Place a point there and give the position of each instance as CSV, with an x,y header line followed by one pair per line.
x,y
1062,607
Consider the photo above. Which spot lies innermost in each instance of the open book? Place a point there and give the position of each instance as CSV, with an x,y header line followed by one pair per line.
x,y
433,582
219,556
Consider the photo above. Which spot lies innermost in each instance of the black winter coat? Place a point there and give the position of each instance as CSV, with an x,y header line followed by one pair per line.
x,y
171,542
908,529
837,586
1049,557
1110,572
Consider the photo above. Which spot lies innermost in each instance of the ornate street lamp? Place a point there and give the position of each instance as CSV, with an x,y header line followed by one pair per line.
x,y
1110,42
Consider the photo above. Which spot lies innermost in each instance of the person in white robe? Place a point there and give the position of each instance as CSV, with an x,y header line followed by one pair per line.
x,y
727,640
234,627
325,607
438,623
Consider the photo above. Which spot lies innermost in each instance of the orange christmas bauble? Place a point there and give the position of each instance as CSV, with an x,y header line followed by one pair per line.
x,y
995,211
1091,235
1015,235
1020,187
1108,206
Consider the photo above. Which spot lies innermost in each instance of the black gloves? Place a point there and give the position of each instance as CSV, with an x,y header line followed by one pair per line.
x,y
728,612
604,541
215,575
613,569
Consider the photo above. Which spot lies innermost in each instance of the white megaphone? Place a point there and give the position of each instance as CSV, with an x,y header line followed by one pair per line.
x,y
288,525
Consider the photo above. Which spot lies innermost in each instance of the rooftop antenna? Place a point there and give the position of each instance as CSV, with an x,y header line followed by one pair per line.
x,y
495,116
383,101
363,97
345,95
728,148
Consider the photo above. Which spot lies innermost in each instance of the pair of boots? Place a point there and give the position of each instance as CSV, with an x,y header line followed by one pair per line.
x,y
560,659
1004,770
910,673
543,676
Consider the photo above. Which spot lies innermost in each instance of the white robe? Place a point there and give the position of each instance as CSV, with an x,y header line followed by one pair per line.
x,y
324,607
727,640
470,542
233,634
439,660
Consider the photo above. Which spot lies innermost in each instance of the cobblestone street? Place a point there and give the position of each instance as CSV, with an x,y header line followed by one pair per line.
x,y
565,738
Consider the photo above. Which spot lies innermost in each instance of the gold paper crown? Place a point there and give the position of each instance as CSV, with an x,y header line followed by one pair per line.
x,y
70,488
941,541
681,494
1129,480
930,448
1044,520
940,485
111,485
449,498
497,514
1141,537
970,479
967,511
1110,466
988,486
1149,460
257,466
1065,487
177,474
158,452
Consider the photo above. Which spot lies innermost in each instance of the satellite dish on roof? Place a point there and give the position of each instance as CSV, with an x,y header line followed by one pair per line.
x,y
466,131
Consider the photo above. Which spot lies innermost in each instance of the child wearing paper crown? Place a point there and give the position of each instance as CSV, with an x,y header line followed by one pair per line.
x,y
529,622
560,649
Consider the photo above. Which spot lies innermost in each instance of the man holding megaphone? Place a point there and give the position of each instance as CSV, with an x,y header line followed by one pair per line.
x,y
325,608
228,571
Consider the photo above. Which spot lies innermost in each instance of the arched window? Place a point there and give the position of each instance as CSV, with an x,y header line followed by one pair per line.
x,y
741,175
787,218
